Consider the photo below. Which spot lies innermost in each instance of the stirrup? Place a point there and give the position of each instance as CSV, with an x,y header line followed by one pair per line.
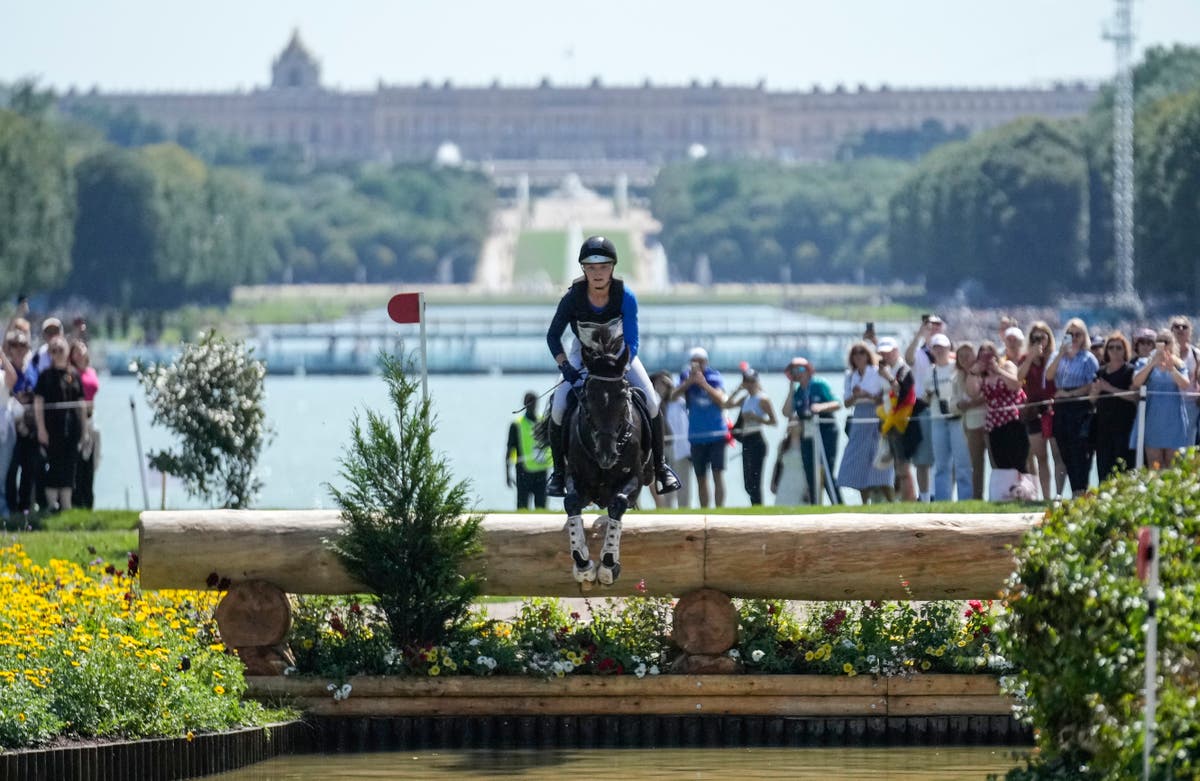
x,y
668,481
557,485
583,568
610,554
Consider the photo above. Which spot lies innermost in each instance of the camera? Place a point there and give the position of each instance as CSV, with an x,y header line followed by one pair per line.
x,y
943,406
1037,338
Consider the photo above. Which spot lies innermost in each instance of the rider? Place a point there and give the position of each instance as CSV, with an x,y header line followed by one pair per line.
x,y
597,300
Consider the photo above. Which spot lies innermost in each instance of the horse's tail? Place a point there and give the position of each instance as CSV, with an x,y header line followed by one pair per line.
x,y
541,431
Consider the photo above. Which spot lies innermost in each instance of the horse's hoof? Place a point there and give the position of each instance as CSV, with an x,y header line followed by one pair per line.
x,y
585,574
608,575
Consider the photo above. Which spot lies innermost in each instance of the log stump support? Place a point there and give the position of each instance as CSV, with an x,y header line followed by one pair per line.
x,y
254,618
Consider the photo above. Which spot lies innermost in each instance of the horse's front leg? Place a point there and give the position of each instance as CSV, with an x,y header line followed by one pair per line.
x,y
583,567
610,552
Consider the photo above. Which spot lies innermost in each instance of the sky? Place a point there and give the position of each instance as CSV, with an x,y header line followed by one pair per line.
x,y
221,45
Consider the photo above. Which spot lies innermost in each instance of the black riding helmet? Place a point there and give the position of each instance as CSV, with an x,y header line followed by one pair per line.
x,y
597,249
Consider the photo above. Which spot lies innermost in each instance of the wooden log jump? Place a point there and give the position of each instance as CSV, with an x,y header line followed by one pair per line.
x,y
801,557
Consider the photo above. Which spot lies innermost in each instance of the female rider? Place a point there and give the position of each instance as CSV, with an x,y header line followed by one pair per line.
x,y
599,302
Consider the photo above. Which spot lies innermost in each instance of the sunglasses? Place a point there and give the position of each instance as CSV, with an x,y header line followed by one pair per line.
x,y
1181,327
1114,347
1074,334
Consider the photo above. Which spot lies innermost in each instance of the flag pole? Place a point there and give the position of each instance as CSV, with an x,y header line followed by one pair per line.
x,y
424,349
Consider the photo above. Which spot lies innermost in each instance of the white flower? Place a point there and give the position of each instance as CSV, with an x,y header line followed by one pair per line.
x,y
733,653
640,671
757,654
474,642
654,669
289,671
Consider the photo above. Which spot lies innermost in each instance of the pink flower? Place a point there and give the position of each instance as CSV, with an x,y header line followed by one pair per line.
x,y
641,586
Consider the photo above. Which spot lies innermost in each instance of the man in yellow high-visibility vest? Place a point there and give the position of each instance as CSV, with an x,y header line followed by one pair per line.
x,y
531,459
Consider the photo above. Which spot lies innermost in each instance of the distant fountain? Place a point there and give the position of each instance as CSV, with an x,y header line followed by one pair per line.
x,y
574,242
703,273
621,195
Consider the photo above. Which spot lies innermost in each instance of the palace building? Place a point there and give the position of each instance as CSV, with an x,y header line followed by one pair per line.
x,y
615,128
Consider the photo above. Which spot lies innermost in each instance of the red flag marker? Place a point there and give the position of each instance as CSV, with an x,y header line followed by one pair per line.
x,y
405,308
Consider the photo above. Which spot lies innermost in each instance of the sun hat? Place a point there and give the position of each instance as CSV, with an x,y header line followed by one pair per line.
x,y
698,354
1015,332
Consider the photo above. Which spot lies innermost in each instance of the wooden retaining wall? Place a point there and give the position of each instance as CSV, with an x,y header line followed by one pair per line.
x,y
163,759
664,695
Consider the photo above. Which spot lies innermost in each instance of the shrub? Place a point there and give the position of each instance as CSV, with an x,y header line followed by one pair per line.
x,y
211,396
1077,634
408,534
84,652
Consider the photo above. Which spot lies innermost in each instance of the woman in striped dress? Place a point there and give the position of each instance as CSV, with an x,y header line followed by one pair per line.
x,y
864,391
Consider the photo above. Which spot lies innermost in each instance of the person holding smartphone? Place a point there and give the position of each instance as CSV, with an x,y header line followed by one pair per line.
x,y
1165,377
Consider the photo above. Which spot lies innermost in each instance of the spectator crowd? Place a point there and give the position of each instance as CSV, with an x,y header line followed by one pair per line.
x,y
49,447
1034,410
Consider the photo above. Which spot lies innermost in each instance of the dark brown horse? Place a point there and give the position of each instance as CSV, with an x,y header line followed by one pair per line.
x,y
608,459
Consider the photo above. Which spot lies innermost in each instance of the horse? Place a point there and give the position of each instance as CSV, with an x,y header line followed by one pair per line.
x,y
609,459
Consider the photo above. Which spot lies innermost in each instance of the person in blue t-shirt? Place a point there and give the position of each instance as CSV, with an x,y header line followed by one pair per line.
x,y
704,392
598,303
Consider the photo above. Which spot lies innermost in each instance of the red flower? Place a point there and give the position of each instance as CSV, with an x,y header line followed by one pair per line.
x,y
110,570
976,605
641,586
131,565
575,616
771,609
355,608
335,623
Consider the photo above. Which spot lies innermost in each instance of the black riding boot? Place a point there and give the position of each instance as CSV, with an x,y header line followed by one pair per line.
x,y
557,486
664,475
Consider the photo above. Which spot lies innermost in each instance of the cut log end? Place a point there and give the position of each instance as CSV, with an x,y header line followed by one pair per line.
x,y
254,613
705,623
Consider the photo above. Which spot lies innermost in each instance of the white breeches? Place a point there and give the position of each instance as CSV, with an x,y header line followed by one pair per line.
x,y
637,378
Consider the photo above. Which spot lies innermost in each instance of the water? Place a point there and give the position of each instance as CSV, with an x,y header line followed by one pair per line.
x,y
312,416
805,764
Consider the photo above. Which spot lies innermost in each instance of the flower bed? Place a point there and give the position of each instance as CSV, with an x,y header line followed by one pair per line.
x,y
337,638
84,652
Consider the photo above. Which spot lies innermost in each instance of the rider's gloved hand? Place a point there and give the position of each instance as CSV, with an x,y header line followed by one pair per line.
x,y
570,373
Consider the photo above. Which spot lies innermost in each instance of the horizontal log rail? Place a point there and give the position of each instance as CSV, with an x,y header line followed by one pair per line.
x,y
801,557
759,695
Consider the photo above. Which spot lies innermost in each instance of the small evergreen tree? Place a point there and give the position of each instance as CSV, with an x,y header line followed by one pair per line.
x,y
212,397
408,532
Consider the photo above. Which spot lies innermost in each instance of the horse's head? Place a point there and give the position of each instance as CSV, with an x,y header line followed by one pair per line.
x,y
607,413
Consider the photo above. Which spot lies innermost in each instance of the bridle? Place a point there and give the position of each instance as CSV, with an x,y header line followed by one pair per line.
x,y
623,432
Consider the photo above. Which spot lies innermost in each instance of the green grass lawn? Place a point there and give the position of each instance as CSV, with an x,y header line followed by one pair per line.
x,y
80,536
540,253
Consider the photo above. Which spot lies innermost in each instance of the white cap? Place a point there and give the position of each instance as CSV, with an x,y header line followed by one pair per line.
x,y
52,322
1014,331
698,354
939,340
886,345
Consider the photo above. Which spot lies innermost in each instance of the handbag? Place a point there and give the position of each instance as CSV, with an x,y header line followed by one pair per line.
x,y
883,454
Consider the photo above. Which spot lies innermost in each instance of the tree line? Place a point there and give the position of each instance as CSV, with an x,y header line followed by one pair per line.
x,y
108,208
1021,213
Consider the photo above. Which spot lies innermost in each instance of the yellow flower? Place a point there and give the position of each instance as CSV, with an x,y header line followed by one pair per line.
x,y
190,736
808,656
847,668
308,643
925,665
20,717
219,689
435,670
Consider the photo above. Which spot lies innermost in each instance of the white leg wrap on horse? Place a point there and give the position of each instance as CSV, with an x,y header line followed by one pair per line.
x,y
583,568
610,554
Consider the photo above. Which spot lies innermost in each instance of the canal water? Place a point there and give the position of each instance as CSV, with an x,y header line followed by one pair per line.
x,y
312,415
800,764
